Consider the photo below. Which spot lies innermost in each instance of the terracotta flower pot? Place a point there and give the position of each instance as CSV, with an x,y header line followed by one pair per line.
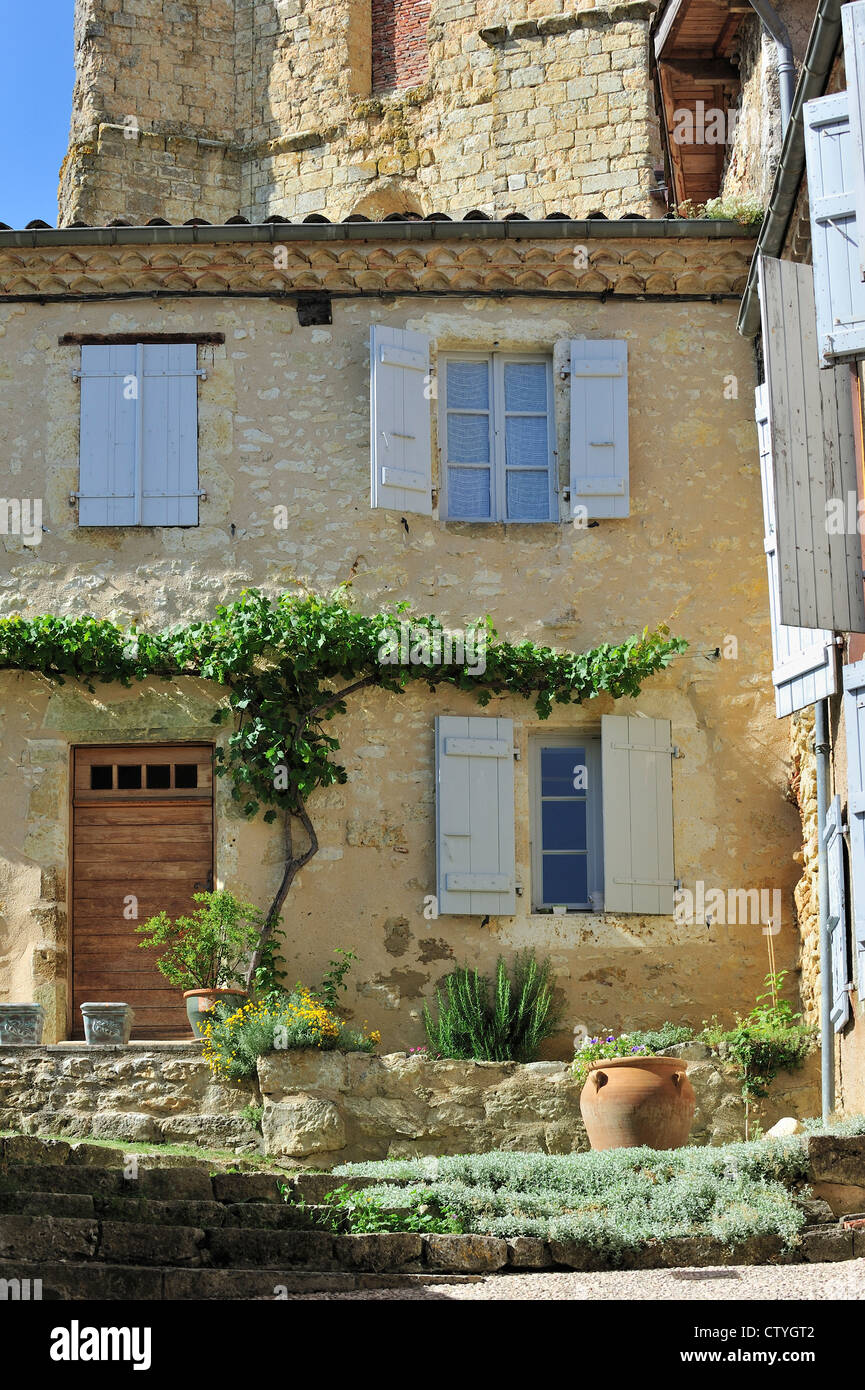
x,y
632,1101
199,1002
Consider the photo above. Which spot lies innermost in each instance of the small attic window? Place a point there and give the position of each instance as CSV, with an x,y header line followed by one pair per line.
x,y
400,50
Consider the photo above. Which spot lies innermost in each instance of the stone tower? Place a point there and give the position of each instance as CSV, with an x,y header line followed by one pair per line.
x,y
218,108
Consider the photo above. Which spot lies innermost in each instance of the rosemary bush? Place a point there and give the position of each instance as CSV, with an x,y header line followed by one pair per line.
x,y
500,1020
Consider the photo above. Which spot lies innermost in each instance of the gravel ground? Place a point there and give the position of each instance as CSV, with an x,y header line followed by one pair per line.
x,y
844,1280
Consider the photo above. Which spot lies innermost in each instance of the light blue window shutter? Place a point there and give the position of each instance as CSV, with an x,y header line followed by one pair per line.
x,y
400,433
838,287
854,723
833,838
475,864
110,403
599,427
637,783
169,435
853,24
803,659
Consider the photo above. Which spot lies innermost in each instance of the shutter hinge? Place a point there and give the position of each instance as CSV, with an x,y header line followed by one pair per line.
x,y
202,372
76,374
518,889
73,498
517,755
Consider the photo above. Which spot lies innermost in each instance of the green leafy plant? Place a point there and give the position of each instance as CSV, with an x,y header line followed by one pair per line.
x,y
209,948
288,665
732,208
235,1039
770,1039
364,1212
658,1039
334,978
253,1114
501,1020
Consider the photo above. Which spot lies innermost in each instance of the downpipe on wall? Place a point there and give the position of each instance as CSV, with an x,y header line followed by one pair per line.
x,y
827,1035
777,30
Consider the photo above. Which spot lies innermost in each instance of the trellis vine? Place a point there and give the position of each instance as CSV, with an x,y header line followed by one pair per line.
x,y
289,664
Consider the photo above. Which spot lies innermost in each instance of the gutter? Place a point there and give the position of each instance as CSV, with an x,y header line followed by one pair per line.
x,y
822,47
777,30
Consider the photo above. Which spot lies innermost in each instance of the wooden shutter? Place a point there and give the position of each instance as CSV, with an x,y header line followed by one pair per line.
x,y
854,723
139,435
169,435
853,23
838,287
107,494
599,427
637,781
833,838
813,458
400,434
803,659
475,815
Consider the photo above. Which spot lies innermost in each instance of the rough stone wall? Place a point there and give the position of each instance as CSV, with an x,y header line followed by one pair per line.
x,y
207,110
400,45
327,1108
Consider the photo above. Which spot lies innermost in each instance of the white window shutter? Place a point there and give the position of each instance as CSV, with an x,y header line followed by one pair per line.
x,y
475,863
169,435
637,782
803,659
853,24
813,458
108,440
400,430
838,286
854,722
833,838
599,427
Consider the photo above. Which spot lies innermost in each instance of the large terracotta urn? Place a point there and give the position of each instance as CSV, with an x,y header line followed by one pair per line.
x,y
632,1101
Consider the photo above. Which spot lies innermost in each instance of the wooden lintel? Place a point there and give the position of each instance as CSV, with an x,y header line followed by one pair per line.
x,y
129,339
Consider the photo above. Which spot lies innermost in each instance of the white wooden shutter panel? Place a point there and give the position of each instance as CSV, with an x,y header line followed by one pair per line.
x,y
854,723
475,862
599,427
833,838
169,435
108,440
838,287
853,24
803,659
400,431
813,458
637,781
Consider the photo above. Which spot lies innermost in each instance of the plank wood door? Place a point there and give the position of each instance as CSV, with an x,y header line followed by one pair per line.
x,y
142,839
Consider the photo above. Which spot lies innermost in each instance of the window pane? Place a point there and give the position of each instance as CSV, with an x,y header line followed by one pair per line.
x,y
100,777
185,774
469,493
158,775
528,496
129,776
566,878
469,438
526,386
557,771
526,437
563,825
468,385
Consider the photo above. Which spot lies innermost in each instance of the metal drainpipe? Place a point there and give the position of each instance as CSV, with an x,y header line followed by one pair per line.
x,y
777,30
827,1033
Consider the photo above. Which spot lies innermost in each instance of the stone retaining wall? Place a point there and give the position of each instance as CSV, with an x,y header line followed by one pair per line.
x,y
323,1108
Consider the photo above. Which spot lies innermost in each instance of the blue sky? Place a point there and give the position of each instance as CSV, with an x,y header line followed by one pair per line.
x,y
36,76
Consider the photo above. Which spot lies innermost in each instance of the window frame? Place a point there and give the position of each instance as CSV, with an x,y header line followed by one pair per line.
x,y
591,741
498,464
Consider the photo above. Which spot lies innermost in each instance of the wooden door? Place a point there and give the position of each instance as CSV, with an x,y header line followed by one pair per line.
x,y
142,843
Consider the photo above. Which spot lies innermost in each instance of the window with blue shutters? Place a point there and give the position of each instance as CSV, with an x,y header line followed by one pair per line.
x,y
838,286
138,448
497,438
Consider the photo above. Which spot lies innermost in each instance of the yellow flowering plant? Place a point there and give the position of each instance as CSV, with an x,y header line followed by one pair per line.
x,y
234,1041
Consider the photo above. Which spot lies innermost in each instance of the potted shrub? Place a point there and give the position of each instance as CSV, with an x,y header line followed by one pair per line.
x,y
205,954
631,1097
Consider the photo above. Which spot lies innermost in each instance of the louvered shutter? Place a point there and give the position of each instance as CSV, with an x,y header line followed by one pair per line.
x,y
838,287
599,427
637,781
836,924
169,435
803,659
853,23
475,815
813,458
400,433
110,402
854,723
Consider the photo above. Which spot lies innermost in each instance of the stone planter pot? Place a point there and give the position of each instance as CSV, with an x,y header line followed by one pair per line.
x,y
107,1023
199,1002
21,1023
632,1101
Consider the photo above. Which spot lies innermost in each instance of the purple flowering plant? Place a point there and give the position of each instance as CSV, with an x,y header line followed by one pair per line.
x,y
604,1046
